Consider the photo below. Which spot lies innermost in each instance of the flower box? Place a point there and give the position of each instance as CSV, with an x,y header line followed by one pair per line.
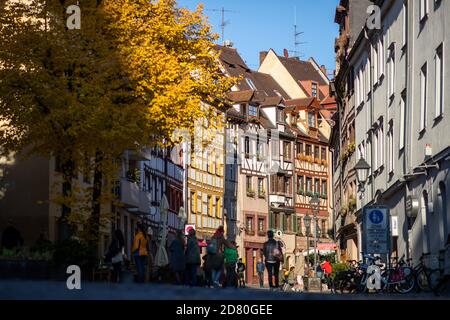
x,y
251,193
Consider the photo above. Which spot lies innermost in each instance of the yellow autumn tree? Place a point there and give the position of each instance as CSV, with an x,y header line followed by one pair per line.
x,y
133,73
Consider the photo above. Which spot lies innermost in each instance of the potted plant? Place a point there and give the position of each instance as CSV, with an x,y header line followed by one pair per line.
x,y
309,193
301,192
309,159
324,196
250,193
317,160
262,194
324,162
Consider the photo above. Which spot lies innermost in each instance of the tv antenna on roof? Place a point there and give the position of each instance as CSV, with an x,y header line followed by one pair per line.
x,y
224,22
297,34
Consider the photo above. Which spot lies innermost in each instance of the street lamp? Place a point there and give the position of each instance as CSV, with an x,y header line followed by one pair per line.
x,y
315,205
362,171
307,221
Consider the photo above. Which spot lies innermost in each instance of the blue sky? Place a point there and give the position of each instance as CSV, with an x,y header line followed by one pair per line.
x,y
258,25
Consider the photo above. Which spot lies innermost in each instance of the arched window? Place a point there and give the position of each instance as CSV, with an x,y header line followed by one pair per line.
x,y
442,202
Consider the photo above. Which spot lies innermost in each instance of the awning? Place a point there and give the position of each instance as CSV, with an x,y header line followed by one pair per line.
x,y
322,252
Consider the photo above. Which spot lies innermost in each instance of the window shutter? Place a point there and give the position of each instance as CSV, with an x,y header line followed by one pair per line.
x,y
294,223
270,220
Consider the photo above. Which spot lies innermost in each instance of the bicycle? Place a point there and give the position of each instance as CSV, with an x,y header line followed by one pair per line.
x,y
399,278
426,278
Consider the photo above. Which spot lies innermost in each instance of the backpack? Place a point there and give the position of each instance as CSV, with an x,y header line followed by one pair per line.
x,y
277,252
212,247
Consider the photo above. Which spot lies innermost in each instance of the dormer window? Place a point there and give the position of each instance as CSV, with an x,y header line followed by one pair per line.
x,y
250,84
252,111
280,115
312,119
314,89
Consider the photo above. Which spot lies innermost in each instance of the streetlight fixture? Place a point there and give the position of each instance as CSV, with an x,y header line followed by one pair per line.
x,y
315,205
362,171
307,221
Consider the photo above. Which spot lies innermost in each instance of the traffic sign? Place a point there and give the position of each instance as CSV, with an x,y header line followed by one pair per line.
x,y
376,227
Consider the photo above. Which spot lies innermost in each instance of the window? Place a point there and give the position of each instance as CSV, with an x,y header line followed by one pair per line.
x,y
251,84
287,185
260,186
375,62
209,206
381,57
300,184
316,185
423,97
247,147
314,89
391,70
249,224
323,156
252,111
316,152
287,150
439,82
280,115
324,187
402,121
442,203
309,184
300,148
423,9
312,119
308,150
193,202
376,151
405,24
249,184
261,225
381,144
218,208
391,149
324,229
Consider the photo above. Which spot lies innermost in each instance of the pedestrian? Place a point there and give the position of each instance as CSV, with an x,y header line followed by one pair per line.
x,y
192,258
260,270
291,278
241,273
11,239
216,248
177,258
327,270
207,270
273,255
115,254
140,252
231,258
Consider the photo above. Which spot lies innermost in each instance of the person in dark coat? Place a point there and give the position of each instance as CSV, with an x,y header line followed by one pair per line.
x,y
11,239
177,258
192,258
115,254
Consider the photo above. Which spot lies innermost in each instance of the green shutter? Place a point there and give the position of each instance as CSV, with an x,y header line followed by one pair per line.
x,y
294,223
284,219
270,220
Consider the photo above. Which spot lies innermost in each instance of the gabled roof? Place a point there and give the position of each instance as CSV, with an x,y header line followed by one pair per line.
x,y
240,96
328,100
235,66
303,103
302,70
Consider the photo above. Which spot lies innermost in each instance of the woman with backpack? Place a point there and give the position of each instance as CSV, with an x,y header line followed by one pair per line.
x,y
215,249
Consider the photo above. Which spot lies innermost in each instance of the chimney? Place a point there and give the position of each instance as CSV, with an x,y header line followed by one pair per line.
x,y
262,56
228,44
286,53
324,69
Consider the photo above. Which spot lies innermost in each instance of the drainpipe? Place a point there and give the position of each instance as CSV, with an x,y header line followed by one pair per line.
x,y
408,105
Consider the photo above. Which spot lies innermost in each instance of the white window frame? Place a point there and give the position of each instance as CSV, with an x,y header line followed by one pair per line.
x,y
423,96
423,9
251,84
402,122
375,148
381,144
391,70
391,148
439,81
381,55
405,24
375,61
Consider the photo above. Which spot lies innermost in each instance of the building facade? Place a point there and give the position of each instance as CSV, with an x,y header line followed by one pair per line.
x,y
399,91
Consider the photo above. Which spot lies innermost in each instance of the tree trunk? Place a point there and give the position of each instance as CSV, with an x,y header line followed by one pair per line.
x,y
96,194
65,231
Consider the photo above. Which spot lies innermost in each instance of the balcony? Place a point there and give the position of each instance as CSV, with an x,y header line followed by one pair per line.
x,y
133,197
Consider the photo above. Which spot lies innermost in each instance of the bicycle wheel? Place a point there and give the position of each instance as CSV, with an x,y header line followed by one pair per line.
x,y
406,286
346,286
422,281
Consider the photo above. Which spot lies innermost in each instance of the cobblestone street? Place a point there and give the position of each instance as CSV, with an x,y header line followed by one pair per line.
x,y
54,290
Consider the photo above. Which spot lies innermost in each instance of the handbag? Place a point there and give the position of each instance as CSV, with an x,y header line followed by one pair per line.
x,y
117,258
